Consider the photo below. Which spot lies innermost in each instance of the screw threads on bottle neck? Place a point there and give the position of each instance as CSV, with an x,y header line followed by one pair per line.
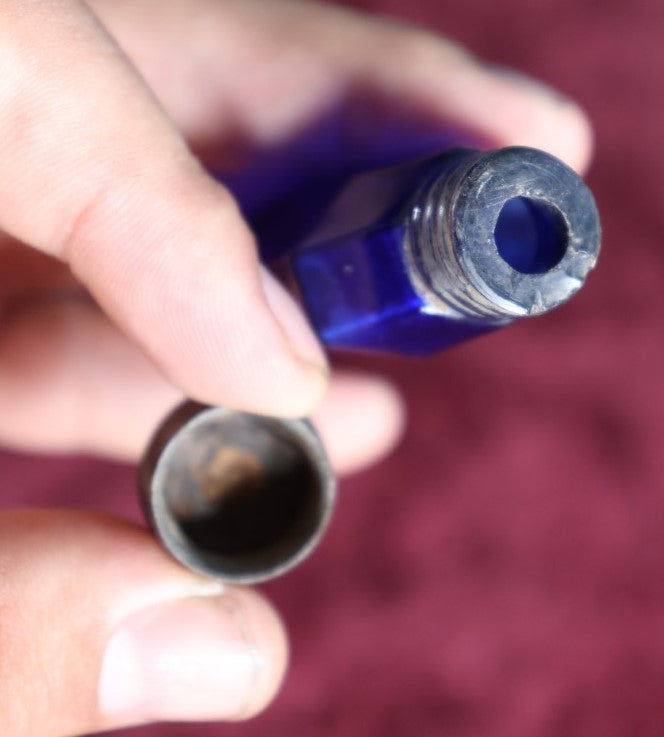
x,y
431,233
500,235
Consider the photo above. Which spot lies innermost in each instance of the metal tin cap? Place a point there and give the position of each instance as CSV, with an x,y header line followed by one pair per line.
x,y
234,495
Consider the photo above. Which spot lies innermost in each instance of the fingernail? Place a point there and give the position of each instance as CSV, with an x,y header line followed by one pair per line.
x,y
293,322
192,659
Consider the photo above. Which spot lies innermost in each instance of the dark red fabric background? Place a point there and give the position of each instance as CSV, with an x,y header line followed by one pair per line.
x,y
501,573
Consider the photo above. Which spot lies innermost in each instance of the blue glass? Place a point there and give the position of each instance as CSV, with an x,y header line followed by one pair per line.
x,y
415,258
540,229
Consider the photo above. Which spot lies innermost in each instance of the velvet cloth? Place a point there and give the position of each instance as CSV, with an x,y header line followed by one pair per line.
x,y
501,573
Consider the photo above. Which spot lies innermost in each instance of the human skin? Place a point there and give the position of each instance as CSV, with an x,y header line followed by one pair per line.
x,y
104,110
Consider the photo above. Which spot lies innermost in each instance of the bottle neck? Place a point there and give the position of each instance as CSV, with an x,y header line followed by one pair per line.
x,y
500,235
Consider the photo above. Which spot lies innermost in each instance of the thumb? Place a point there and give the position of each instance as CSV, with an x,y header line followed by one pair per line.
x,y
100,630
94,173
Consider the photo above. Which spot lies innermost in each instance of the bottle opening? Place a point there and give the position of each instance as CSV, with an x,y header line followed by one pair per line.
x,y
243,496
530,235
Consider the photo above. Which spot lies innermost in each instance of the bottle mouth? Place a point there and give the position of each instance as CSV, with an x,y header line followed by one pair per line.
x,y
525,230
234,495
530,235
501,235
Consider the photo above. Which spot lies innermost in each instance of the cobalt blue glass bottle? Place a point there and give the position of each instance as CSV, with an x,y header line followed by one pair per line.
x,y
409,259
414,258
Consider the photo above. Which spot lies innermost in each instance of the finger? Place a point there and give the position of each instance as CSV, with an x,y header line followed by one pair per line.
x,y
360,421
317,54
100,629
95,174
72,382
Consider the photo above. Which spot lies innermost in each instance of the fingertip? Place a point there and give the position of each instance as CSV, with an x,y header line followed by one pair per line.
x,y
560,127
361,420
489,103
197,658
580,143
532,113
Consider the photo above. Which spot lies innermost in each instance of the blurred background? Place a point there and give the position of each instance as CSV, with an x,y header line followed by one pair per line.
x,y
502,572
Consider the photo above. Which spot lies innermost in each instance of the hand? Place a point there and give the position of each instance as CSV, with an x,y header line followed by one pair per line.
x,y
100,195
